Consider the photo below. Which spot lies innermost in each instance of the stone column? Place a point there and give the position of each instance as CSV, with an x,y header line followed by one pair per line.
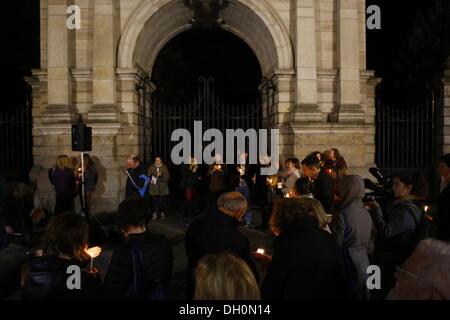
x,y
283,111
307,109
348,30
104,57
58,64
444,114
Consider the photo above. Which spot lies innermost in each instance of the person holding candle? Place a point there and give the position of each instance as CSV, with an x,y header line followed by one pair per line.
x,y
189,183
65,243
306,263
159,187
217,174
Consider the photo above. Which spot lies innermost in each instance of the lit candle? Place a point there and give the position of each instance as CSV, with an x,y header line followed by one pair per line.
x,y
425,208
280,185
286,195
260,251
93,252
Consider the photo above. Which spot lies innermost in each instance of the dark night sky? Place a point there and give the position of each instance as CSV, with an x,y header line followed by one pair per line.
x,y
384,49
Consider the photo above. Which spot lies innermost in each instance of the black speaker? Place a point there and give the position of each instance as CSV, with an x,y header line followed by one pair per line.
x,y
81,138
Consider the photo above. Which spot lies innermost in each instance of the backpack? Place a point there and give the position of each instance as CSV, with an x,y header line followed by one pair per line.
x,y
137,289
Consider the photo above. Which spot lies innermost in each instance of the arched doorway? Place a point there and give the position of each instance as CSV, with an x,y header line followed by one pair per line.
x,y
154,23
210,77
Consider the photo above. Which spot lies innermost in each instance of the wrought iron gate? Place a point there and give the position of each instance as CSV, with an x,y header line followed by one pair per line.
x,y
16,156
206,108
405,138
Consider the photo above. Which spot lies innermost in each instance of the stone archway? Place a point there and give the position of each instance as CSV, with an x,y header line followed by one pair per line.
x,y
254,21
153,23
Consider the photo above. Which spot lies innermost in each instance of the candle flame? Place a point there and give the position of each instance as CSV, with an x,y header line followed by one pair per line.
x,y
260,251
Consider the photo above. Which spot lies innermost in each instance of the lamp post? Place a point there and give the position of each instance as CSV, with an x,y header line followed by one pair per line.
x,y
206,12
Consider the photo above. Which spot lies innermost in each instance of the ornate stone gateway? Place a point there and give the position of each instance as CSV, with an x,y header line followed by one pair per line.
x,y
313,52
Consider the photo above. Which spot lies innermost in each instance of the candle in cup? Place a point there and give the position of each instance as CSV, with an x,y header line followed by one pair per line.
x,y
425,208
260,251
280,185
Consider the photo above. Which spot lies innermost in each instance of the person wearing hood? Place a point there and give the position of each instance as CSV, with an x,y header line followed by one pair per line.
x,y
351,227
396,228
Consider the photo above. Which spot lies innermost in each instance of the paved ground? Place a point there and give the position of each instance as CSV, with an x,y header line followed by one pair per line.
x,y
174,228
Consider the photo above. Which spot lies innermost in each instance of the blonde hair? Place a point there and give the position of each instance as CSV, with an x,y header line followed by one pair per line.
x,y
62,161
233,201
224,277
288,211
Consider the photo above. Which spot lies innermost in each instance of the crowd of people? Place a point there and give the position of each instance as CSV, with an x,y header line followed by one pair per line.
x,y
327,233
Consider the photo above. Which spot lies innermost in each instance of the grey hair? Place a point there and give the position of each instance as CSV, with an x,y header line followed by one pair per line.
x,y
435,267
233,201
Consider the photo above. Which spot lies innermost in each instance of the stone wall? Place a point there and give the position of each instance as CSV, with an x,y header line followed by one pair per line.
x,y
313,51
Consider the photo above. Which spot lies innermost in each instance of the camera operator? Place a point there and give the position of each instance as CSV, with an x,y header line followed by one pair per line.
x,y
395,239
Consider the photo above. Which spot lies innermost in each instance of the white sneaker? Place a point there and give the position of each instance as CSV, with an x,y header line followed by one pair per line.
x,y
154,216
163,216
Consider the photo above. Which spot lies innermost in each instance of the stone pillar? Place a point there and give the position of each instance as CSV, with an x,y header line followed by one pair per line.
x,y
443,112
128,102
283,111
307,109
349,102
104,57
58,64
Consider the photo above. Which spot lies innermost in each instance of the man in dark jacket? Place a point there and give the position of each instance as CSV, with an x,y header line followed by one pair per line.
x,y
134,183
443,232
323,184
152,262
217,233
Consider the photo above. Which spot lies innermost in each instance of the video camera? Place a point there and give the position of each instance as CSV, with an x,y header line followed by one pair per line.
x,y
380,191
